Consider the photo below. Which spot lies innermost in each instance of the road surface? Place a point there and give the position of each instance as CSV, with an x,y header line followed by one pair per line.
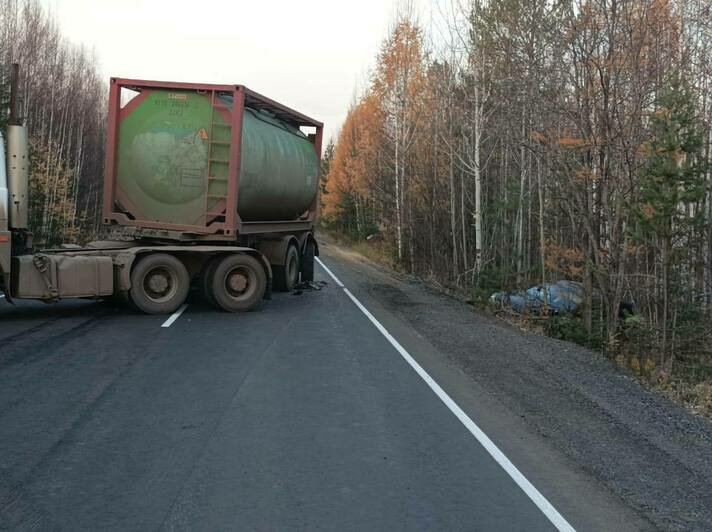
x,y
305,414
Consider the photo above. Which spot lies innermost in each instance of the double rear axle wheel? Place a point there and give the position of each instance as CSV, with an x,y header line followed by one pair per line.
x,y
235,282
160,283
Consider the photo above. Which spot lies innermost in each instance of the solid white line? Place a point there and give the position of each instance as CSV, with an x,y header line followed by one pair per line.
x,y
175,316
537,498
336,279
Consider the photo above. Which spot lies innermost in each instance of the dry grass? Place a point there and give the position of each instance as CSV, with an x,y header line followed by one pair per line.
x,y
374,250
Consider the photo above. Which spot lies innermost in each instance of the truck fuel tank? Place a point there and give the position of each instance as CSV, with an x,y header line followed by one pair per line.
x,y
51,276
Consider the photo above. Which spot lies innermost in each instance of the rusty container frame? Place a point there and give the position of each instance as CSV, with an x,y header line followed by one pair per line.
x,y
232,226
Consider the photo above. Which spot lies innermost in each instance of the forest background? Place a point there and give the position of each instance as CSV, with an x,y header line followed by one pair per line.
x,y
514,143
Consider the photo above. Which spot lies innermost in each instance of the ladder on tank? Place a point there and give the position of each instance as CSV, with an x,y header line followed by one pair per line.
x,y
212,198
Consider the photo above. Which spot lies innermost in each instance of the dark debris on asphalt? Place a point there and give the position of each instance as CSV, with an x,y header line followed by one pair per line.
x,y
300,287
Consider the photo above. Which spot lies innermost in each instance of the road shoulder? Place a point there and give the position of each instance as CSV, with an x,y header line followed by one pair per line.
x,y
553,408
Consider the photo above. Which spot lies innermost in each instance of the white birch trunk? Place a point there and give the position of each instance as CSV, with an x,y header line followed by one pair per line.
x,y
478,178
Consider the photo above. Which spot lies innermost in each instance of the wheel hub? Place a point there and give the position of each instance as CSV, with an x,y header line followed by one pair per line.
x,y
237,282
158,283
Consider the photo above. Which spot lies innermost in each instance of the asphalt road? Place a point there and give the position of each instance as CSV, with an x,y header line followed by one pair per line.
x,y
300,415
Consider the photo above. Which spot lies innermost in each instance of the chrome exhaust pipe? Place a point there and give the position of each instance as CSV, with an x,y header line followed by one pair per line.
x,y
4,195
18,174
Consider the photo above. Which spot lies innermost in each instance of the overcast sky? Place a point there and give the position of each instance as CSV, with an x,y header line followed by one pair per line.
x,y
309,55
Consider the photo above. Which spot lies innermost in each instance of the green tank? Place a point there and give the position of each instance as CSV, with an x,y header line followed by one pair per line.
x,y
173,148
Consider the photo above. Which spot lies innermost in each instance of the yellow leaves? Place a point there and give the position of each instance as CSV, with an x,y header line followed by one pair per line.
x,y
585,175
400,51
648,211
634,364
401,76
571,142
538,136
352,168
564,260
565,141
645,149
633,249
52,198
662,112
396,101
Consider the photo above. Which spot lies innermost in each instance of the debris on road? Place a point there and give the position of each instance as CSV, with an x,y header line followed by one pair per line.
x,y
308,285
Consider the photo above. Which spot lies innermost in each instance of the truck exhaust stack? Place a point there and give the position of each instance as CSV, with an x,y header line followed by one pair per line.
x,y
17,162
4,196
18,175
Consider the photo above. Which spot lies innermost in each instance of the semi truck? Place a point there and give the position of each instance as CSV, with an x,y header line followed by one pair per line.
x,y
206,186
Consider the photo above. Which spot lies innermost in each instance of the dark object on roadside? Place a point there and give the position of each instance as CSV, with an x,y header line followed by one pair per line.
x,y
551,298
308,285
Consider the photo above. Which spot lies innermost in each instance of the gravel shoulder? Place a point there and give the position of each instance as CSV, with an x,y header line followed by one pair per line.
x,y
649,452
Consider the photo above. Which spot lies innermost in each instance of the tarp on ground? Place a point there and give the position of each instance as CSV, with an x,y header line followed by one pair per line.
x,y
560,296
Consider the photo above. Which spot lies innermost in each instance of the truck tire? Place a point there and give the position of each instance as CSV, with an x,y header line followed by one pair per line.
x,y
287,276
159,284
206,280
308,262
238,283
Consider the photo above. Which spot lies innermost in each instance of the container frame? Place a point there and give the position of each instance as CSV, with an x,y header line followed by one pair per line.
x,y
226,225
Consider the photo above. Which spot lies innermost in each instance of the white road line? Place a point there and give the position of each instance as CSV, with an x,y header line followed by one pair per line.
x,y
537,498
175,316
336,279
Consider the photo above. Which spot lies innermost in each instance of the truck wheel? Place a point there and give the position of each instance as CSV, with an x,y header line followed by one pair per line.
x,y
206,280
308,261
159,284
287,276
238,283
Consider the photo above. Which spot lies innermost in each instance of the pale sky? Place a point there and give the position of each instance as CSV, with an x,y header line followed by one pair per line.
x,y
310,55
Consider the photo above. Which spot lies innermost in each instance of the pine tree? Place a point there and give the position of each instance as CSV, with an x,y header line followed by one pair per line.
x,y
326,159
671,186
